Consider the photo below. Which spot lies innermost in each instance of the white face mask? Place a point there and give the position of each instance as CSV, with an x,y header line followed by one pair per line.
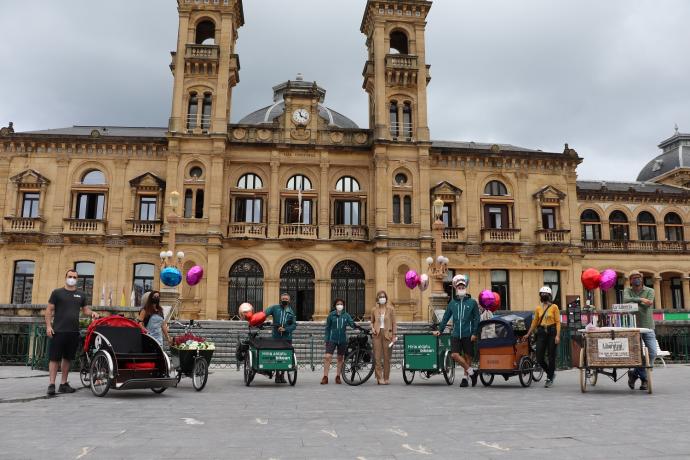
x,y
382,300
461,292
339,307
71,282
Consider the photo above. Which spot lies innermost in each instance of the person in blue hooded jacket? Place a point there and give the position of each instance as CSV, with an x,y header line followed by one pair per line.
x,y
336,338
284,324
464,311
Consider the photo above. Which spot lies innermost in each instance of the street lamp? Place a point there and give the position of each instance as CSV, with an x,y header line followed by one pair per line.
x,y
438,265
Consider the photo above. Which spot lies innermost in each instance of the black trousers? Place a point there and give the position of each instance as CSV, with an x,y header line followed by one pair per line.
x,y
546,344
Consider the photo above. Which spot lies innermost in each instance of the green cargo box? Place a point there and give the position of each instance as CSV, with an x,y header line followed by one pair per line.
x,y
272,360
425,352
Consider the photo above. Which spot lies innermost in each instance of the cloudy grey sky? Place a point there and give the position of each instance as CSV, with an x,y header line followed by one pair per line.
x,y
609,77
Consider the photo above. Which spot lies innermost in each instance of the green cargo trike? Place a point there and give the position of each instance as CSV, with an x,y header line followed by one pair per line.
x,y
427,355
266,356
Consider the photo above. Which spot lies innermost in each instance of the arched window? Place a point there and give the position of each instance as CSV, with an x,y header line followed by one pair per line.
x,y
407,209
347,211
299,182
245,284
205,33
399,44
297,279
192,110
199,205
396,209
206,111
618,225
142,280
188,204
591,225
495,188
23,281
395,122
86,272
347,283
250,181
407,121
673,227
646,226
93,177
347,184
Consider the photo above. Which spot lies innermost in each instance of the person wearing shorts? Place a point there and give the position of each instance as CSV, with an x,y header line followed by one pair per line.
x,y
62,326
336,339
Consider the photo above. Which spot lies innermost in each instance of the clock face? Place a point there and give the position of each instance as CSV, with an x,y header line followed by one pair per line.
x,y
300,116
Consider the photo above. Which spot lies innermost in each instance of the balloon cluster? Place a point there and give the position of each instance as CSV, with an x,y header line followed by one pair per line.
x,y
246,311
413,280
490,300
171,276
592,279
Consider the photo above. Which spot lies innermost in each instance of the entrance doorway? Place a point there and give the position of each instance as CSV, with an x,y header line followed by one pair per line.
x,y
297,279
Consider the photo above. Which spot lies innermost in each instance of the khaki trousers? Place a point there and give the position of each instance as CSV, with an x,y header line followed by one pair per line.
x,y
382,352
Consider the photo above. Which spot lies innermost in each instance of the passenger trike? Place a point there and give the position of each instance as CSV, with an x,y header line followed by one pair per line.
x,y
266,356
427,355
502,351
192,357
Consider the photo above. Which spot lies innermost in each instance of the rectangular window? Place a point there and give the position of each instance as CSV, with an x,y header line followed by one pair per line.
x,y
293,214
142,281
448,283
548,218
147,208
30,205
500,283
619,232
23,281
407,209
347,213
677,293
497,216
447,215
90,206
591,232
674,233
620,287
86,271
646,232
248,210
552,279
396,209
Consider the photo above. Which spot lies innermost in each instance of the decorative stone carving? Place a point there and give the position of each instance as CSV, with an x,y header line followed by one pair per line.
x,y
360,138
337,137
239,133
263,134
300,134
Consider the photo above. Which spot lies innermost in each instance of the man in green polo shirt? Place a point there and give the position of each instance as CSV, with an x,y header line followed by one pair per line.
x,y
643,296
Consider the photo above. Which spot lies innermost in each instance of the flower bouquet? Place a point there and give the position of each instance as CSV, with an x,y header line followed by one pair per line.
x,y
188,346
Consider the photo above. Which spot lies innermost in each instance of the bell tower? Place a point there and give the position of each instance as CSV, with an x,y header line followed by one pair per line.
x,y
396,74
205,66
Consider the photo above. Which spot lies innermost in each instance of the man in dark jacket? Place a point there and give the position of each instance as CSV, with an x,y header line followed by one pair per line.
x,y
284,323
464,311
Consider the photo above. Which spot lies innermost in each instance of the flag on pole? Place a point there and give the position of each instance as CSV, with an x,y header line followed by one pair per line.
x,y
102,296
299,205
110,296
133,299
123,298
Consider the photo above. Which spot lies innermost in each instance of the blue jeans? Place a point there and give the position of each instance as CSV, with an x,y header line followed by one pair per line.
x,y
649,339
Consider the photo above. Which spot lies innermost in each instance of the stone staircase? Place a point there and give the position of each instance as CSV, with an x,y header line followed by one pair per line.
x,y
308,339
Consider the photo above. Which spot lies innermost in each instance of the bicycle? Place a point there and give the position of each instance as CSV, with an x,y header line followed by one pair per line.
x,y
537,371
191,363
265,356
359,359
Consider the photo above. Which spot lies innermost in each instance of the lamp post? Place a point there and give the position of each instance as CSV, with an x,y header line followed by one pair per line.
x,y
169,294
438,265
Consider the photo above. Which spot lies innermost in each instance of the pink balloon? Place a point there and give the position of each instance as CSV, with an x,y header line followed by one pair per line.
x,y
411,279
423,282
608,279
487,299
497,303
194,275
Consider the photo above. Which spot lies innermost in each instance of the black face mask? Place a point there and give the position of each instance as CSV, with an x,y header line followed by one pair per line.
x,y
285,303
545,298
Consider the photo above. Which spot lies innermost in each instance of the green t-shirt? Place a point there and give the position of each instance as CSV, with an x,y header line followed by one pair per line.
x,y
644,314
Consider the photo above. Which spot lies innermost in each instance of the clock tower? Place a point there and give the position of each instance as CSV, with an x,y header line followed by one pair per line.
x,y
302,101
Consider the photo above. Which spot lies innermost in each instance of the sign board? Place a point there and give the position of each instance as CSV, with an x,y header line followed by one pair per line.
x,y
420,351
613,348
624,307
275,359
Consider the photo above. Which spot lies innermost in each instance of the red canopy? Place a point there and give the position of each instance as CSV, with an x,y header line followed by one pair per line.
x,y
112,320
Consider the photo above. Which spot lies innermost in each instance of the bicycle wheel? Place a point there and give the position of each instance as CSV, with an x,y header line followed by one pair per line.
x,y
408,376
199,373
583,372
248,373
292,375
159,390
486,378
100,374
357,369
525,371
449,369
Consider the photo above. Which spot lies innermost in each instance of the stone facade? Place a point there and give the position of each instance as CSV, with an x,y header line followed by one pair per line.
x,y
296,197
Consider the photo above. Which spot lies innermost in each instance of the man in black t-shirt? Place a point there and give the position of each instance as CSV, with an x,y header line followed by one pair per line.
x,y
63,329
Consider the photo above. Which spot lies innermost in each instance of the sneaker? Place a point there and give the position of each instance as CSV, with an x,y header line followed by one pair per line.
x,y
51,390
324,380
643,385
463,382
474,378
65,388
548,383
337,380
632,378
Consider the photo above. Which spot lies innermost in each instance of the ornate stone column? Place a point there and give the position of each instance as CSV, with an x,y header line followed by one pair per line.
x,y
657,293
686,292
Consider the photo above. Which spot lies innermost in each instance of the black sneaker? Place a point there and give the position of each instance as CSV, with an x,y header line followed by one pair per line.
x,y
632,378
51,390
463,382
643,385
474,378
65,388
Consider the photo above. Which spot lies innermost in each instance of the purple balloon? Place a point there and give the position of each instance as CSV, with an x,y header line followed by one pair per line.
x,y
487,299
194,275
411,279
608,279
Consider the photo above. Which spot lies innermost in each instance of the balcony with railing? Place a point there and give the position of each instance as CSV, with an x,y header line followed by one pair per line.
x,y
500,235
636,246
85,226
453,234
401,69
349,233
246,230
401,61
24,224
144,227
553,236
401,131
298,231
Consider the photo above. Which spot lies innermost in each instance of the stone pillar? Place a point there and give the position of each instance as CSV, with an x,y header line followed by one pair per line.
x,y
657,293
212,277
382,194
274,197
322,300
324,204
271,292
686,292
596,299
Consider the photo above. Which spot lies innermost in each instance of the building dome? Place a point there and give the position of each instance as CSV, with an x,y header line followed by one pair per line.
x,y
267,114
675,155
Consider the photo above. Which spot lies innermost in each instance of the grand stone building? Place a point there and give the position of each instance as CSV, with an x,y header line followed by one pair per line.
x,y
296,197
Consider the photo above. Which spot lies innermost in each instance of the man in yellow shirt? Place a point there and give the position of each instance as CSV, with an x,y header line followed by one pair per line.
x,y
547,323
